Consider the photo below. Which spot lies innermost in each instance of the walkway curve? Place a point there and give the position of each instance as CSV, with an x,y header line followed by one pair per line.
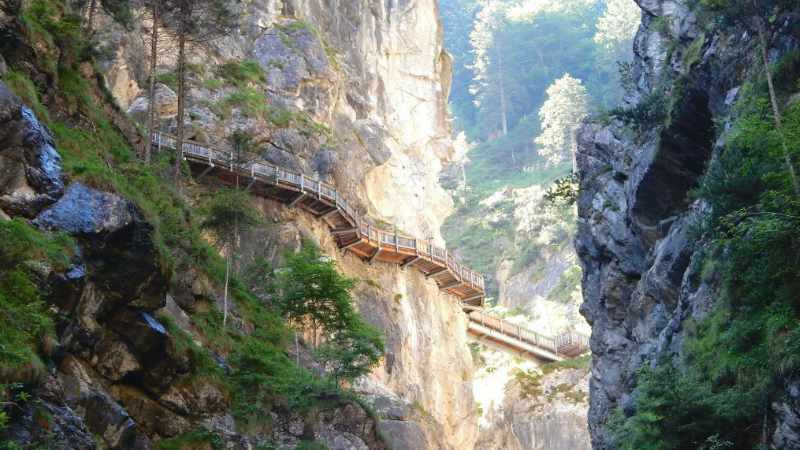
x,y
352,232
371,242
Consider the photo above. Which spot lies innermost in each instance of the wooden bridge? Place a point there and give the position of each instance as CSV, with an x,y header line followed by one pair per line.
x,y
352,232
372,242
506,336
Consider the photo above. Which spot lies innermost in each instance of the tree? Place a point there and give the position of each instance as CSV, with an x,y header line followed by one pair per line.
x,y
312,293
752,14
193,22
151,91
561,115
227,214
616,28
352,351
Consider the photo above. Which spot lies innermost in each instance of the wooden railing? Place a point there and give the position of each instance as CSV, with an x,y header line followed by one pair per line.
x,y
275,175
568,344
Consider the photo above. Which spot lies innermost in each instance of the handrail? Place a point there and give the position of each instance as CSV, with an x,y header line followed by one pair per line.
x,y
276,175
556,345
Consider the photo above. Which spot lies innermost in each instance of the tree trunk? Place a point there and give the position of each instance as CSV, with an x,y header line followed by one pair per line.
x,y
503,106
92,13
181,106
297,348
787,156
225,295
151,113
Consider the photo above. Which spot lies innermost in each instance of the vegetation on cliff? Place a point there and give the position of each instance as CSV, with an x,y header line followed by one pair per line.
x,y
741,357
52,71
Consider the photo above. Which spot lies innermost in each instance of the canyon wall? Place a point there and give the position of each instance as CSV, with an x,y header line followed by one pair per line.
x,y
352,92
644,276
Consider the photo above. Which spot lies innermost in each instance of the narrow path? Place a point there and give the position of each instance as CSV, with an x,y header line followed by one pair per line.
x,y
371,242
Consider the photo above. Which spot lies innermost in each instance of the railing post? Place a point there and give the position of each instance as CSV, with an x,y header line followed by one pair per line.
x,y
396,243
302,182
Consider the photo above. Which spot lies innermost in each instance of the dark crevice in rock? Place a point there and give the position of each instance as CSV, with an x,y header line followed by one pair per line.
x,y
678,161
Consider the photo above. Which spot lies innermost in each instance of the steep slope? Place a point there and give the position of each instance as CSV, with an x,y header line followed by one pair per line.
x,y
669,286
355,97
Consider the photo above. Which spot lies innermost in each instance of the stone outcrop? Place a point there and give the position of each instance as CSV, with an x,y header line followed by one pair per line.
x,y
30,170
422,389
640,256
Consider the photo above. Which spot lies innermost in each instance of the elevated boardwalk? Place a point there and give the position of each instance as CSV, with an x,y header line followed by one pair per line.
x,y
371,242
352,232
510,337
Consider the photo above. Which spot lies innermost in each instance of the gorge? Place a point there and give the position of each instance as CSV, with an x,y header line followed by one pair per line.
x,y
399,224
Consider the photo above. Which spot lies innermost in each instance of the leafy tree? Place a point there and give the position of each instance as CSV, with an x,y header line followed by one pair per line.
x,y
616,28
561,115
353,351
227,214
311,292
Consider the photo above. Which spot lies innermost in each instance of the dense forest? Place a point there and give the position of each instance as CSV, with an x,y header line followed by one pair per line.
x,y
525,74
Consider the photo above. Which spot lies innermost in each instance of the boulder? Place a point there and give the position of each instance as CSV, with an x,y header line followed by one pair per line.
x,y
323,162
194,397
114,360
49,422
787,417
114,235
401,435
146,337
30,167
148,414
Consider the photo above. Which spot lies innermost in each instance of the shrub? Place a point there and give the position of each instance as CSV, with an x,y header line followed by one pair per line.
x,y
311,292
25,253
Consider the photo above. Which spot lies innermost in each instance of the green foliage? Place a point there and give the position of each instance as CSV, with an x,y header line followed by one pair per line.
x,y
649,112
311,445
564,190
192,439
25,253
250,101
24,88
312,292
738,357
228,212
569,281
242,73
169,79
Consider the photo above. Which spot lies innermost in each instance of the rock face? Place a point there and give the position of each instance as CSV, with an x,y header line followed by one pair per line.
x,y
422,390
373,73
30,170
641,262
353,92
527,405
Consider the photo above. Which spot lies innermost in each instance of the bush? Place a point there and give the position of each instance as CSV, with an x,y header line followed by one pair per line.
x,y
311,293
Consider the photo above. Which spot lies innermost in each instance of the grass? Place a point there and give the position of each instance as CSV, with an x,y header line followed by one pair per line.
x,y
242,73
26,254
192,439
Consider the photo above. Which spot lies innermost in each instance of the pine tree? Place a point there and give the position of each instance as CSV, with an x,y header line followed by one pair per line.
x,y
561,114
194,22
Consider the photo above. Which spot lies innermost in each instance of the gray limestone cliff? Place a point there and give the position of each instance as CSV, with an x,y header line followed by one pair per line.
x,y
636,239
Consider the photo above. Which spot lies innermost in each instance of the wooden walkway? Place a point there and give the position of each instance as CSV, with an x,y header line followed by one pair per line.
x,y
507,336
352,232
371,242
